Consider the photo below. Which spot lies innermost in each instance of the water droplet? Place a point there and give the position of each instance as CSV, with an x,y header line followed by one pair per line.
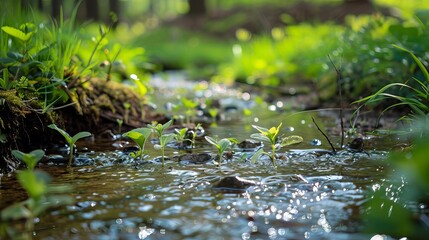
x,y
316,142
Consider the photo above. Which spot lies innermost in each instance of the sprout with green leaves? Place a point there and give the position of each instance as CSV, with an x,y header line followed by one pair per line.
x,y
221,145
270,135
120,122
163,141
40,193
180,136
159,128
189,106
139,136
30,159
70,140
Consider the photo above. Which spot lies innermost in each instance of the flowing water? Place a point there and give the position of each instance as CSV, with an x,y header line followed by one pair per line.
x,y
312,194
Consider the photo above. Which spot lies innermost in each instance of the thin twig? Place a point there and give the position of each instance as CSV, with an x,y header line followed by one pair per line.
x,y
340,94
326,136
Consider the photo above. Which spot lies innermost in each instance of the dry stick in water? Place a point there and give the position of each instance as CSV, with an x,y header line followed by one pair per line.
x,y
326,136
339,77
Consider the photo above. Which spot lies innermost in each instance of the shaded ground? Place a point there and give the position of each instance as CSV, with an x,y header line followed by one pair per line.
x,y
224,23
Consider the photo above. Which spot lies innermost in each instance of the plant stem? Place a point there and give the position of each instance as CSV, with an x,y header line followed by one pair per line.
x,y
220,161
71,155
162,157
273,154
339,78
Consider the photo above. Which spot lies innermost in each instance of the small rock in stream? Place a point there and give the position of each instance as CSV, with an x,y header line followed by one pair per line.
x,y
234,184
249,144
192,158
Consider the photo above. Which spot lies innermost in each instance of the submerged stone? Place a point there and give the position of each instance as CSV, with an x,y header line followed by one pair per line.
x,y
193,158
234,183
249,144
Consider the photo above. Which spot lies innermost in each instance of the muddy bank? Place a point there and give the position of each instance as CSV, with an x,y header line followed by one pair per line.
x,y
95,106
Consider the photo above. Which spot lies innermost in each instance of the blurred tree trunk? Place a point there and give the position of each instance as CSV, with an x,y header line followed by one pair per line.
x,y
92,10
197,7
115,7
40,5
56,8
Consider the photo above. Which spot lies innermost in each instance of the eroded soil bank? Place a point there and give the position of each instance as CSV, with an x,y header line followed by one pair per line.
x,y
95,106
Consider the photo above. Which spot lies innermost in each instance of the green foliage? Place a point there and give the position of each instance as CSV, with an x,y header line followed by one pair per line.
x,y
418,101
70,140
139,136
189,49
41,195
17,33
288,53
31,158
221,145
369,59
397,205
270,136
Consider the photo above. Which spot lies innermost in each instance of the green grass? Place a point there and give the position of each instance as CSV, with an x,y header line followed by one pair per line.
x,y
179,48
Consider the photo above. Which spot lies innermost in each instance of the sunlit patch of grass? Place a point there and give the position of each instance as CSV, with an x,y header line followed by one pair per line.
x,y
179,48
286,53
418,101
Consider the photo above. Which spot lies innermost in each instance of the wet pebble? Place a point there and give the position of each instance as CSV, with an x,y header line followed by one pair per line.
x,y
192,158
249,144
234,183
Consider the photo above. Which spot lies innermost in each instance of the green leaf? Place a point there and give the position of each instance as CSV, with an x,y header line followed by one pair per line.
x,y
224,144
7,61
62,132
34,182
286,141
30,159
256,155
80,135
211,140
15,211
189,104
260,137
260,129
14,32
16,56
164,139
140,136
417,60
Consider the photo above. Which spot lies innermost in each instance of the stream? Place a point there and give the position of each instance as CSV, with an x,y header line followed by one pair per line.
x,y
312,194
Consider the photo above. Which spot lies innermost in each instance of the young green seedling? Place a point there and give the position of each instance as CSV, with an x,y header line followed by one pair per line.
x,y
190,106
221,145
127,107
139,136
270,135
163,141
31,158
70,140
40,198
120,122
180,136
159,128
